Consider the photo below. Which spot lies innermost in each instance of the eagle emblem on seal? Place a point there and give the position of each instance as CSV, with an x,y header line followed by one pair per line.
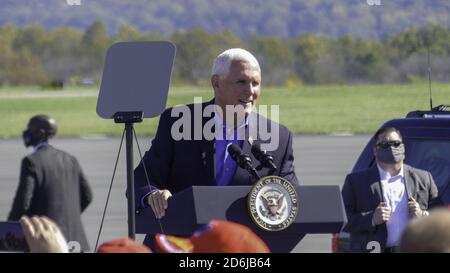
x,y
273,203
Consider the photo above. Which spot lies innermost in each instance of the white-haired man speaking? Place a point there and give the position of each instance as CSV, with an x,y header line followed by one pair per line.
x,y
191,143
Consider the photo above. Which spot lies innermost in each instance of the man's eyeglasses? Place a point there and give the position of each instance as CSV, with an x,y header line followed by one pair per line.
x,y
387,144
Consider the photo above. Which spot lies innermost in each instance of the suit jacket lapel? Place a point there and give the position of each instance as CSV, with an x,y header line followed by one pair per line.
x,y
410,185
208,161
207,152
250,140
375,184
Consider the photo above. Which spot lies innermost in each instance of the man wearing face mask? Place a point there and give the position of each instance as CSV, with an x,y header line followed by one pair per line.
x,y
51,183
381,200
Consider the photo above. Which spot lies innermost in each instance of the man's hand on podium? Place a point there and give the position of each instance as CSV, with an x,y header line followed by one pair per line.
x,y
158,201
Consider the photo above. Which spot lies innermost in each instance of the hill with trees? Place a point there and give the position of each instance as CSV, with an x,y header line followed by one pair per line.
x,y
245,18
296,41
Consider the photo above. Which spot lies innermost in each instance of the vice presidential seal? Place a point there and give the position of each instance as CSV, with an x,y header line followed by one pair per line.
x,y
273,203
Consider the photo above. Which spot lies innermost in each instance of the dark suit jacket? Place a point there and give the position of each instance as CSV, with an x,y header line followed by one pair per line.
x,y
362,193
177,165
52,184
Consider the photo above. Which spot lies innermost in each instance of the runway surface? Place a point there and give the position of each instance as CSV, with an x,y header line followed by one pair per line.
x,y
319,160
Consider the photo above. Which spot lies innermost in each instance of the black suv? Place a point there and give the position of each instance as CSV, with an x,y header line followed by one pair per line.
x,y
426,135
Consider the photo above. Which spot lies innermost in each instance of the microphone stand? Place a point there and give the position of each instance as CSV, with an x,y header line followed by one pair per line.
x,y
254,173
245,162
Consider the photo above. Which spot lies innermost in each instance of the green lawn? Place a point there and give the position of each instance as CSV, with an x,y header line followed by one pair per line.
x,y
305,109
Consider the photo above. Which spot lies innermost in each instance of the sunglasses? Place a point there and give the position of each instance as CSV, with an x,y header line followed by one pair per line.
x,y
387,144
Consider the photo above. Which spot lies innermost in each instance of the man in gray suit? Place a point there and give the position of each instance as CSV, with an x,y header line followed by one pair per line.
x,y
51,183
381,200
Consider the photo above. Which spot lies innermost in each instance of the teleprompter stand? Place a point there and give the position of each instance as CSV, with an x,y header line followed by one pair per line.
x,y
135,85
129,118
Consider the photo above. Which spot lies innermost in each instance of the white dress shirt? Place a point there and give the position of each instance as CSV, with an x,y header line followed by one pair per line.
x,y
396,199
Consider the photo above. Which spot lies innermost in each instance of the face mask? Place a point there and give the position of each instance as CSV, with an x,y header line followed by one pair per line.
x,y
29,139
391,154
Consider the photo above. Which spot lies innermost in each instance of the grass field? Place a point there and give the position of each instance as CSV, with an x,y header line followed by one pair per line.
x,y
304,109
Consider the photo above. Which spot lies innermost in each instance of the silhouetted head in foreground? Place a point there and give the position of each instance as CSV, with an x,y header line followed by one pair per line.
x,y
429,234
40,128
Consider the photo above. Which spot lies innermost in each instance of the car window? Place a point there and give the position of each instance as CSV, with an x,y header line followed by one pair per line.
x,y
430,155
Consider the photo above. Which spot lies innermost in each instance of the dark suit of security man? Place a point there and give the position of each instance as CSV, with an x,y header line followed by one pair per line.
x,y
51,183
381,201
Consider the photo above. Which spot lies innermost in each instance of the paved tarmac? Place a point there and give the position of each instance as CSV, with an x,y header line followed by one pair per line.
x,y
320,160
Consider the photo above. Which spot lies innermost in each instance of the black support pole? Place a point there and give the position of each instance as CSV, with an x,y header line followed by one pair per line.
x,y
129,118
130,180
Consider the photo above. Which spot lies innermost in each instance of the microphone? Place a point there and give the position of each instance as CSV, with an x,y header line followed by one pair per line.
x,y
263,157
244,161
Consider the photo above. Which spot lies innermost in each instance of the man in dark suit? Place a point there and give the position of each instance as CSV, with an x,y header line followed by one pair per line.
x,y
381,200
178,160
51,183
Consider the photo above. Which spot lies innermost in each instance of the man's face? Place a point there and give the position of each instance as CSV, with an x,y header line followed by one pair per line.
x,y
392,139
240,87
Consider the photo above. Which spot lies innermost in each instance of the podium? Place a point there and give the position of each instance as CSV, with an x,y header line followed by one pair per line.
x,y
321,210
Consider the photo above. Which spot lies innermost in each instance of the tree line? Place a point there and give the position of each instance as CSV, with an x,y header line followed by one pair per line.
x,y
34,56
